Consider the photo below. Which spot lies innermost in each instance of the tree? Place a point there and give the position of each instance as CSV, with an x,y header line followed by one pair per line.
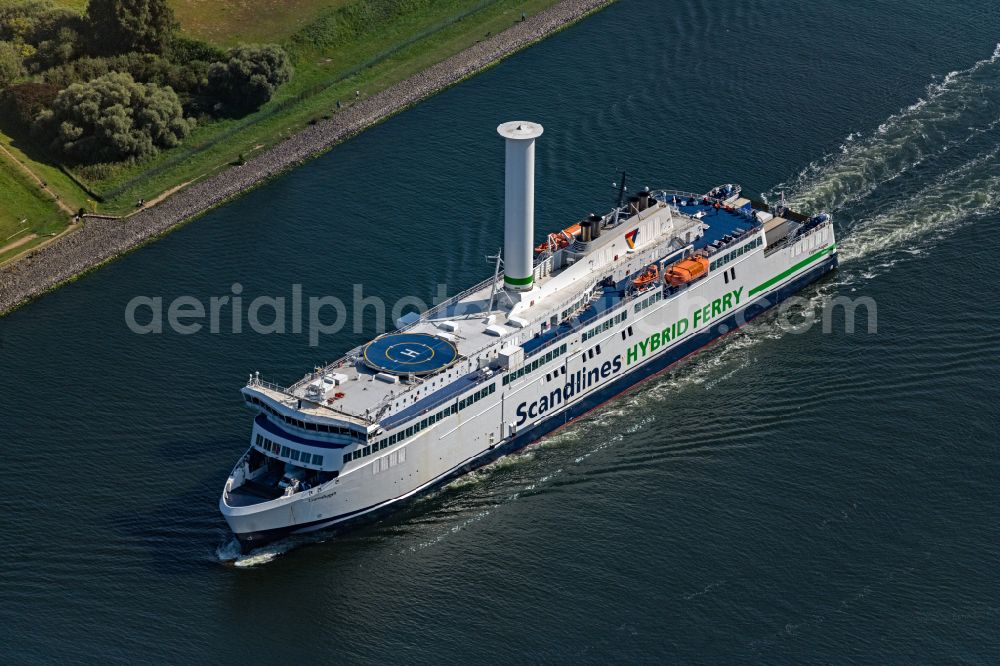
x,y
113,118
53,52
11,68
22,102
249,76
120,26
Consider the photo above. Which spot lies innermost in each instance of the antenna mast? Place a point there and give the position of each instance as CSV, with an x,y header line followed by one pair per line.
x,y
496,275
621,189
621,195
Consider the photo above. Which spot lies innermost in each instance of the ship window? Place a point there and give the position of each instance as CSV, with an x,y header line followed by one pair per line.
x,y
423,424
317,459
347,458
284,451
294,454
311,426
367,451
260,439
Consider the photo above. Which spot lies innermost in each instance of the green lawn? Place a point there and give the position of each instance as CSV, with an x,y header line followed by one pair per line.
x,y
24,210
228,22
330,65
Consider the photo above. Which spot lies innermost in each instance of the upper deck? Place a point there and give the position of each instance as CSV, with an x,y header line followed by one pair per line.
x,y
454,346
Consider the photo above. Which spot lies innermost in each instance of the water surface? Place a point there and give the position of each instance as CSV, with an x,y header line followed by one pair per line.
x,y
782,498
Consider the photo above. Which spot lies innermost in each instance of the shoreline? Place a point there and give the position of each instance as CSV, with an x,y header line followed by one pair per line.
x,y
101,241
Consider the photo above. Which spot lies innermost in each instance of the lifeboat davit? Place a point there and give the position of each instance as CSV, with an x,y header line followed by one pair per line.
x,y
559,240
649,276
687,270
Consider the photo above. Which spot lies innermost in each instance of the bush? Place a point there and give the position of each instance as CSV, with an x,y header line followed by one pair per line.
x,y
22,102
143,67
11,68
19,19
184,50
249,77
113,118
121,26
66,45
35,22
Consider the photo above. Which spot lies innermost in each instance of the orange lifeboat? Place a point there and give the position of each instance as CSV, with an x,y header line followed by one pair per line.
x,y
649,276
687,270
559,240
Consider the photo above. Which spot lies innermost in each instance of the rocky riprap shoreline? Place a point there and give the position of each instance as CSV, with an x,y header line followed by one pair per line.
x,y
101,240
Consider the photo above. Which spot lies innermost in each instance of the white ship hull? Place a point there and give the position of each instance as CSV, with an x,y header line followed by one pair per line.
x,y
658,329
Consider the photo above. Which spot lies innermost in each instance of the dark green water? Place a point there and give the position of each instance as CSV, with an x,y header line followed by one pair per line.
x,y
782,498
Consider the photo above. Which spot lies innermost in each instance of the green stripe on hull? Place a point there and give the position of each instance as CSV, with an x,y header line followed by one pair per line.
x,y
518,281
802,264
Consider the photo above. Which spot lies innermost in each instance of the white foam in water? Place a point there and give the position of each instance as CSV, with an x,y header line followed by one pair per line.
x,y
932,125
230,553
953,200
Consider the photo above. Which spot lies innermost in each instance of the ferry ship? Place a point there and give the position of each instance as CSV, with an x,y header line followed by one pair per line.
x,y
561,327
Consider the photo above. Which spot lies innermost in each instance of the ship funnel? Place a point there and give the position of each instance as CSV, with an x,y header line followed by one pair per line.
x,y
519,204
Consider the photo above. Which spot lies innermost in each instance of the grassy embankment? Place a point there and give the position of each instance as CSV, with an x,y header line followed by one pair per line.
x,y
333,57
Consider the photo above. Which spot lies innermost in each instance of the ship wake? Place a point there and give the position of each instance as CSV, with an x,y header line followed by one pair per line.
x,y
954,111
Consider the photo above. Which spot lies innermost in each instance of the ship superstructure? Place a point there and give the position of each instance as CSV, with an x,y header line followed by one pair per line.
x,y
565,326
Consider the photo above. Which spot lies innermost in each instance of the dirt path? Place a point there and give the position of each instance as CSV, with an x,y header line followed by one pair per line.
x,y
18,243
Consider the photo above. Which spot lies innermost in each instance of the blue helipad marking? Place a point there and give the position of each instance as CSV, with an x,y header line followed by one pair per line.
x,y
410,353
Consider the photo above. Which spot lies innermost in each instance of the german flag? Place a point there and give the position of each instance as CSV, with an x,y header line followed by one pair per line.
x,y
630,238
